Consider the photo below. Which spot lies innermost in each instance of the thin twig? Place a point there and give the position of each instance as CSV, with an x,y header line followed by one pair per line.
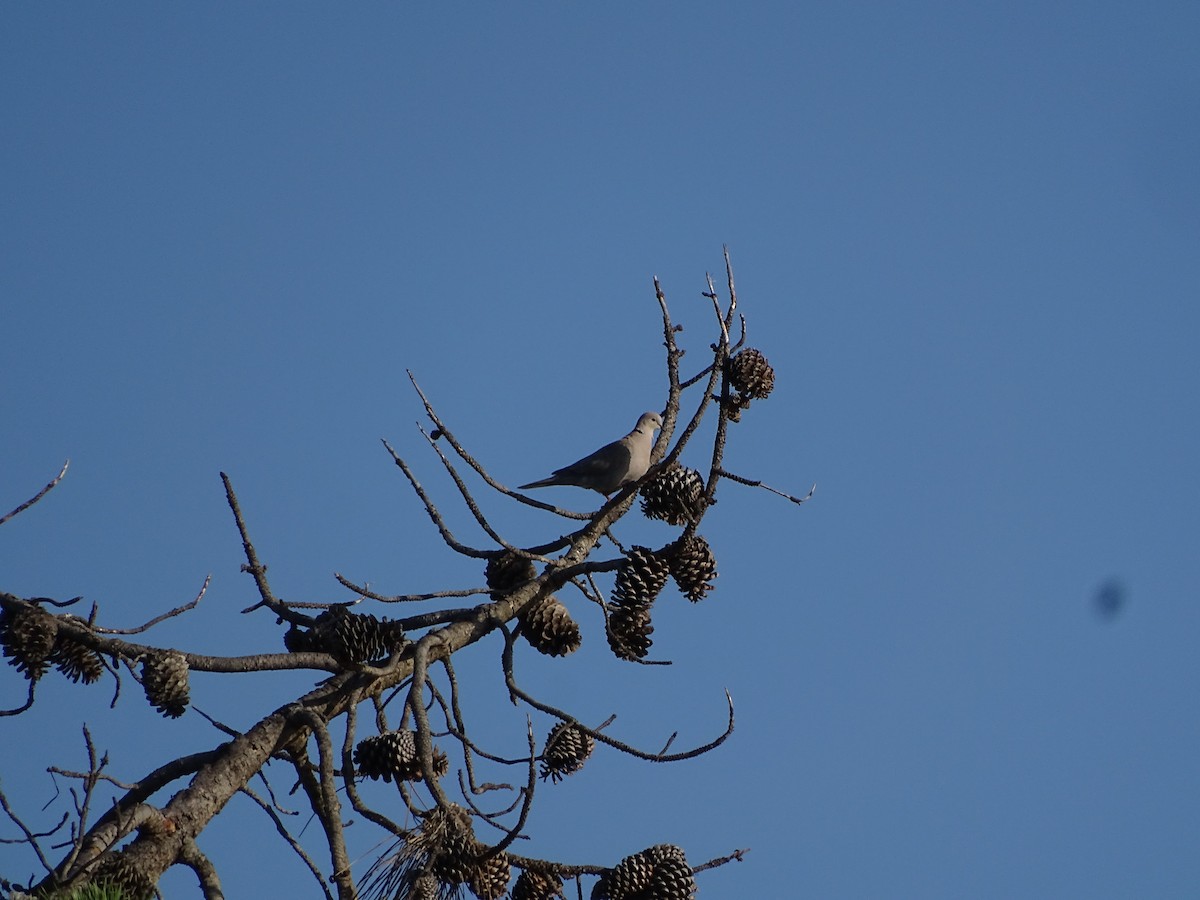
x,y
30,837
749,482
432,511
363,591
170,614
292,842
474,464
510,680
28,702
253,566
721,860
39,495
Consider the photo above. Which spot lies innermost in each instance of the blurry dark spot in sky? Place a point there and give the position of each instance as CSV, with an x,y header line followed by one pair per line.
x,y
1110,599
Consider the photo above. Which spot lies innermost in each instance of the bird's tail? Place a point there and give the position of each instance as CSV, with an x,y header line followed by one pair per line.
x,y
545,482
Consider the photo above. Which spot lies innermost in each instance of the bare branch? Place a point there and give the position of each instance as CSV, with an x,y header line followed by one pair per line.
x,y
530,785
16,711
736,855
39,495
362,591
758,484
206,872
465,492
442,431
510,680
30,837
291,841
253,566
432,510
325,801
179,610
416,691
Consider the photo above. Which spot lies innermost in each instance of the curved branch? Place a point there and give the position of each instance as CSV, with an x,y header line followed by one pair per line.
x,y
325,802
416,693
39,495
749,482
16,711
206,872
169,614
511,681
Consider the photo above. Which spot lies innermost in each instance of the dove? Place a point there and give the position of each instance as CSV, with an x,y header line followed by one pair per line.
x,y
612,466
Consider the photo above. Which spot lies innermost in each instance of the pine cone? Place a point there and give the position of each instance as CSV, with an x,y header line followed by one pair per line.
x,y
393,754
425,887
658,873
675,495
625,880
641,576
446,835
77,661
567,749
549,628
489,878
448,838
751,374
27,636
355,637
629,631
693,566
506,571
533,885
672,879
165,681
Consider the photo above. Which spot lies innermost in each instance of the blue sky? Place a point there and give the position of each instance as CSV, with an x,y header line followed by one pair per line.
x,y
966,237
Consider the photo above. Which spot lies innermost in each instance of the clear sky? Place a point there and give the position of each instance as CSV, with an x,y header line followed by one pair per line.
x,y
967,236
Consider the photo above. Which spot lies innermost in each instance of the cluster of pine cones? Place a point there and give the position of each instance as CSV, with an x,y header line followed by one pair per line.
x,y
545,623
642,576
658,873
32,642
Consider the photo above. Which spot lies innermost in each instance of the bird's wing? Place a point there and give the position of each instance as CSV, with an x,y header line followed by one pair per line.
x,y
607,465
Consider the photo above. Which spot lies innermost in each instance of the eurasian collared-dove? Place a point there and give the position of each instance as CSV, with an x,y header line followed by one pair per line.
x,y
612,466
